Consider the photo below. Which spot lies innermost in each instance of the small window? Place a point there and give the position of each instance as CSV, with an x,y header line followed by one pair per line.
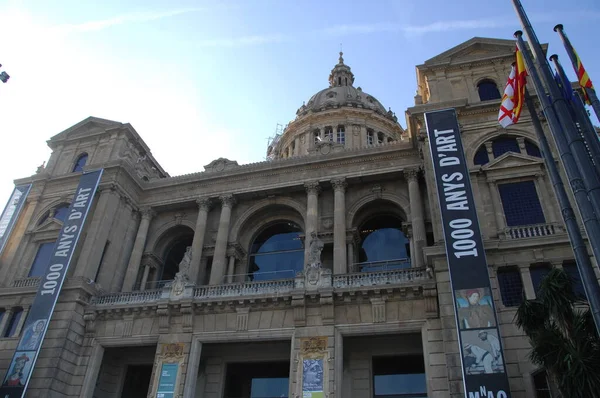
x,y
341,135
317,136
505,144
11,328
538,273
339,81
570,268
488,90
532,149
80,163
42,259
390,139
328,134
481,156
521,204
380,138
511,286
370,137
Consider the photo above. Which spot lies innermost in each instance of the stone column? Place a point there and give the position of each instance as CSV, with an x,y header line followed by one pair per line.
x,y
547,204
350,257
189,389
138,249
198,242
416,214
339,226
144,281
219,258
498,209
230,268
312,213
7,316
527,282
92,371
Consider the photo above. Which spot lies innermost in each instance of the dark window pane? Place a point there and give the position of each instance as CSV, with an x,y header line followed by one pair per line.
x,y
383,241
281,265
42,259
532,149
521,204
278,237
11,328
61,212
402,376
81,161
488,91
511,286
505,144
542,389
571,270
538,273
270,387
481,156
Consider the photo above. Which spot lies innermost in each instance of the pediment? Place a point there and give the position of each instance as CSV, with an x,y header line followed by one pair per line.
x,y
474,49
90,126
220,164
50,225
512,160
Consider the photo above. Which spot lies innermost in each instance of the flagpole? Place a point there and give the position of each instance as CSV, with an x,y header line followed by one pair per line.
x,y
586,126
582,258
590,92
569,132
588,277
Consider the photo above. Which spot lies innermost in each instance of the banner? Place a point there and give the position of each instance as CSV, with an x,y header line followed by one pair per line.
x,y
167,380
19,372
484,371
11,212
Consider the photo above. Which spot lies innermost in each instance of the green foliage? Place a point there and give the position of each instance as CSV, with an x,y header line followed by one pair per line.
x,y
562,333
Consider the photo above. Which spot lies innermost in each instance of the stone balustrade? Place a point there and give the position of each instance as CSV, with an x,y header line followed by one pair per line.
x,y
33,281
270,288
142,297
531,231
380,278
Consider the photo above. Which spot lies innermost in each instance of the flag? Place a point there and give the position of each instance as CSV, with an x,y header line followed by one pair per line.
x,y
584,79
564,85
514,93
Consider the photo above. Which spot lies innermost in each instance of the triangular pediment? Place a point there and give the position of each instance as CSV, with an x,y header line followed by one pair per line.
x,y
474,49
90,126
511,160
50,225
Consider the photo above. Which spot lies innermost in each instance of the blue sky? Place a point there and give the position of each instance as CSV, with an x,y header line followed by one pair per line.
x,y
200,80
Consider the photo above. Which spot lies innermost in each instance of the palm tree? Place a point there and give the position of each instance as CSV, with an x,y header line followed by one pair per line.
x,y
563,337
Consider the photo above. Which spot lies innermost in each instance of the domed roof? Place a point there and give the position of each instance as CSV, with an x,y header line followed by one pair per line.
x,y
341,92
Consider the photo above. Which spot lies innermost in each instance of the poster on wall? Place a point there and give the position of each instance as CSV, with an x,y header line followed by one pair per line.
x,y
11,212
483,368
17,378
167,380
312,378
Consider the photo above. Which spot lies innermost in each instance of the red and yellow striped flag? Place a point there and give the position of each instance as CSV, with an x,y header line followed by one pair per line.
x,y
514,93
584,79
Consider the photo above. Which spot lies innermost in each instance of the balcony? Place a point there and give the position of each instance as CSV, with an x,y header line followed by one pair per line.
x,y
532,231
33,281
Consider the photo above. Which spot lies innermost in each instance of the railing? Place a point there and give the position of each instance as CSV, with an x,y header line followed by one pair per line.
x,y
388,277
384,265
530,231
152,285
274,287
33,281
127,298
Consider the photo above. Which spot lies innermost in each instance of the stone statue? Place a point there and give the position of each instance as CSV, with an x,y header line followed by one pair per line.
x,y
314,251
184,265
182,277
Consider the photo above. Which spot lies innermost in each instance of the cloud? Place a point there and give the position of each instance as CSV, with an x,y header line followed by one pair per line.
x,y
244,40
445,26
136,17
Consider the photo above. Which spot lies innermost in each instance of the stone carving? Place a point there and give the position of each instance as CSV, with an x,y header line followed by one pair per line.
x,y
204,203
314,252
312,187
182,277
227,200
220,164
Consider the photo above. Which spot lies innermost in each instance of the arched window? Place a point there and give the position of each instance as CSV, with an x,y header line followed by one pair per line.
x,y
383,244
174,255
532,149
502,145
488,90
58,213
80,163
481,156
380,138
277,252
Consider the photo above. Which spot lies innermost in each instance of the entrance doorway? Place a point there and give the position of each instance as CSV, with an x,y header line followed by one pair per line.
x,y
257,380
137,381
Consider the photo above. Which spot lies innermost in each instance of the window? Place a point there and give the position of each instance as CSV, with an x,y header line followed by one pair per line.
x,y
42,259
2,313
505,144
380,138
532,149
511,286
258,380
396,377
293,147
174,255
277,252
538,273
383,244
60,213
101,261
521,204
541,385
317,136
481,156
488,90
370,137
11,328
341,135
570,268
328,134
80,163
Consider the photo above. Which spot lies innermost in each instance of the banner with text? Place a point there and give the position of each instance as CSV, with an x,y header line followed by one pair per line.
x,y
35,327
11,212
484,371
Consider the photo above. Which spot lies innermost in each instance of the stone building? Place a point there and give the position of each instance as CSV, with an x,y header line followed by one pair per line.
x,y
330,250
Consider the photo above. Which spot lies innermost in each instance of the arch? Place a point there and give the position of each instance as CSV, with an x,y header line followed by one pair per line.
x,y
261,206
490,135
43,214
80,162
488,90
400,201
155,240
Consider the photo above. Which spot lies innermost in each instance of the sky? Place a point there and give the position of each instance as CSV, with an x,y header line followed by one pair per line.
x,y
200,80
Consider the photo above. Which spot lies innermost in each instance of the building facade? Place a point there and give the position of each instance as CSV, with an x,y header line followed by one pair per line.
x,y
326,260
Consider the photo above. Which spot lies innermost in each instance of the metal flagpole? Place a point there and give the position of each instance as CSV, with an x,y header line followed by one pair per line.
x,y
580,114
591,179
590,92
582,258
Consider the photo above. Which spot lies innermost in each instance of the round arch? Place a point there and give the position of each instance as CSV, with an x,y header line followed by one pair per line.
x,y
472,148
158,236
42,213
402,203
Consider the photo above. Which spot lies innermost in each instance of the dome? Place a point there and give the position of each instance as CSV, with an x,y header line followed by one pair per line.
x,y
342,93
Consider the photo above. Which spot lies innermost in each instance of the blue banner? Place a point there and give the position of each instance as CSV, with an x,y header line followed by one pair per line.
x,y
167,380
22,364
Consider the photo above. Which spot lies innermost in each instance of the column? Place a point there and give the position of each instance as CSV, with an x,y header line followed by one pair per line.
x,y
527,282
339,226
93,371
198,242
351,257
489,149
138,248
230,268
191,376
416,214
144,281
545,201
312,213
497,204
219,258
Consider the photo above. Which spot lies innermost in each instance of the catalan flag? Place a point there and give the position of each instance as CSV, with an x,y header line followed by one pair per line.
x,y
514,93
584,79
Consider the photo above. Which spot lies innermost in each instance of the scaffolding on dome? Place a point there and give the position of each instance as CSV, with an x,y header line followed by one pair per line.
x,y
274,142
